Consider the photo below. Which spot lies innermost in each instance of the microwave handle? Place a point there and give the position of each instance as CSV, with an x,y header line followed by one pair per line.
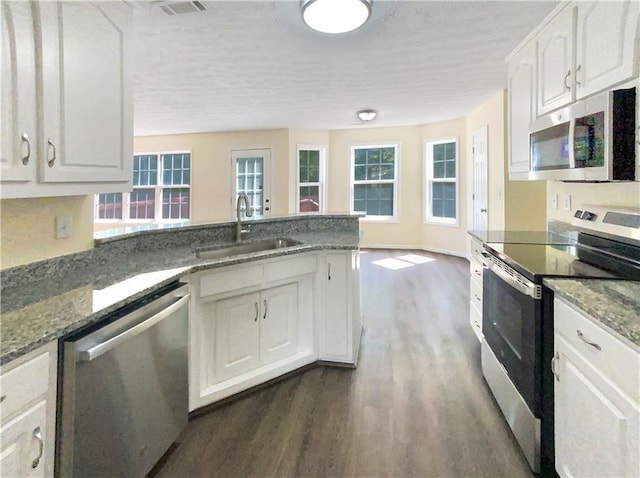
x,y
572,134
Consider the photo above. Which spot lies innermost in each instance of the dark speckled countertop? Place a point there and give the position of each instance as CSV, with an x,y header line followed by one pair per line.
x,y
45,301
614,304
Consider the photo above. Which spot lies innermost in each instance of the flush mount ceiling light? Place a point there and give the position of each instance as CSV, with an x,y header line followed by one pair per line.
x,y
367,115
335,16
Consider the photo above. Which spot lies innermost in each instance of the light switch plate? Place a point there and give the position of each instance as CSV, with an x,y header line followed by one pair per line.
x,y
63,227
567,202
554,201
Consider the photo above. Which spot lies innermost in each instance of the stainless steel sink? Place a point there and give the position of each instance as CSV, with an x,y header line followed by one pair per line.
x,y
228,250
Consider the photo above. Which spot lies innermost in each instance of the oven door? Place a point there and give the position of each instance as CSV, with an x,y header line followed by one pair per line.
x,y
512,328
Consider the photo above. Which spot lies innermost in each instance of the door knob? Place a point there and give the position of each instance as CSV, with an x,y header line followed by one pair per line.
x,y
483,210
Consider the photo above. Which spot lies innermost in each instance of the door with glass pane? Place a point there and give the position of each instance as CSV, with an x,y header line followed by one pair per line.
x,y
252,176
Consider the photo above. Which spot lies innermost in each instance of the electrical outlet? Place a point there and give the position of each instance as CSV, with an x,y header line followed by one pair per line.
x,y
63,227
567,202
554,201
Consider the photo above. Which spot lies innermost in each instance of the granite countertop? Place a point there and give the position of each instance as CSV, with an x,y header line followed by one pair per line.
x,y
67,298
614,304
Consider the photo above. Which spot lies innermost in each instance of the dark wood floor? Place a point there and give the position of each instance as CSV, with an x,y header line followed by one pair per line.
x,y
416,405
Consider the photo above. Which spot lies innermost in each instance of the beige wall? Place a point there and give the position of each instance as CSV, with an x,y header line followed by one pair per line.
x,y
211,168
27,228
605,194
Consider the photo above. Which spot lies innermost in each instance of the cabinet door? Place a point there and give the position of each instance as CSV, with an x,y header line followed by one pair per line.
x,y
88,121
237,335
522,107
596,427
18,132
279,318
336,330
555,62
605,44
23,443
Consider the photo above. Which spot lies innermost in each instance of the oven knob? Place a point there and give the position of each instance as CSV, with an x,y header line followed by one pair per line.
x,y
578,213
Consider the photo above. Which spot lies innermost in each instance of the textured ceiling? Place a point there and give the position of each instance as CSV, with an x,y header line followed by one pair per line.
x,y
254,65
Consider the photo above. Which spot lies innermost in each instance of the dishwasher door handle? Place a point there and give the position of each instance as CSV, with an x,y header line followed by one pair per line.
x,y
104,347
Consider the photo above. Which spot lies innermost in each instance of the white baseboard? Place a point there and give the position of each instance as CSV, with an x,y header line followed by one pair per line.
x,y
416,248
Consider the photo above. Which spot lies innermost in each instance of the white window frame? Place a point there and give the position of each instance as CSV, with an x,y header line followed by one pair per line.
x,y
158,188
429,218
395,217
322,150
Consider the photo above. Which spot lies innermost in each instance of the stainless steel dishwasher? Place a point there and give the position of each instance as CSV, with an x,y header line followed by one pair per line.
x,y
124,389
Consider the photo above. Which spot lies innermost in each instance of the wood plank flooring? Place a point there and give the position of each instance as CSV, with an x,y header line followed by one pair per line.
x,y
416,405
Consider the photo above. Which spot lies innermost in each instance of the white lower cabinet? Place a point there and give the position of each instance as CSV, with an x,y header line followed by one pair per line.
x,y
341,325
476,268
254,329
28,396
597,399
250,323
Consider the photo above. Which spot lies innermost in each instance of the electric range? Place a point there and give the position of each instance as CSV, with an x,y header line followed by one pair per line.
x,y
518,314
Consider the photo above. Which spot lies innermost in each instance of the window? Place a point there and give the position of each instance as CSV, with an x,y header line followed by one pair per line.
x,y
441,178
374,173
161,191
311,160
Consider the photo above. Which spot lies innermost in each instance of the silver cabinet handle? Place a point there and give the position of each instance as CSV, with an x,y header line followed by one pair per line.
x,y
329,271
3,398
554,361
265,309
577,70
113,342
566,77
25,139
255,319
477,272
477,298
37,434
52,147
593,344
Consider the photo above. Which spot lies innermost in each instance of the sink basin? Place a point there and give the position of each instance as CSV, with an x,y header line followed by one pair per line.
x,y
228,250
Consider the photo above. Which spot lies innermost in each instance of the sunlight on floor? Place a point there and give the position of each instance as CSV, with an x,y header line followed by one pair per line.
x,y
401,262
416,259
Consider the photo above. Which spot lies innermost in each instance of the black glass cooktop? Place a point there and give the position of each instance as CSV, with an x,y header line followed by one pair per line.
x,y
535,261
522,237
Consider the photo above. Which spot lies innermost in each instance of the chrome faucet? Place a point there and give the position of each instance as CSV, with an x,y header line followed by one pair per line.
x,y
247,211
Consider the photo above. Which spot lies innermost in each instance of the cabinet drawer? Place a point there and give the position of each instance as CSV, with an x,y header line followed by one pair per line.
x,y
615,359
475,272
24,384
21,439
286,268
231,278
475,295
476,249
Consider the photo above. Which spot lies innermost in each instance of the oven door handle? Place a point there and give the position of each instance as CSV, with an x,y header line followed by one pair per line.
x,y
527,289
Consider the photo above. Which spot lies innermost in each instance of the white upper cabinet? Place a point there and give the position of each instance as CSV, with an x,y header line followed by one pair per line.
x,y
522,107
17,160
78,137
555,62
87,119
605,44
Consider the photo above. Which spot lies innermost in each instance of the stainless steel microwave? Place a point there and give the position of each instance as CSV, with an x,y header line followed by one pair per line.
x,y
591,140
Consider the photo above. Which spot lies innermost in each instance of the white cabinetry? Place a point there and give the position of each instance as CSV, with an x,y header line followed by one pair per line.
x,y
555,62
74,57
341,326
28,388
250,323
597,399
606,51
17,155
522,109
476,268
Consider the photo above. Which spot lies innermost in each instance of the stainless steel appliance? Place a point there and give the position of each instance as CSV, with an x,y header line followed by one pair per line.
x,y
591,140
518,320
124,388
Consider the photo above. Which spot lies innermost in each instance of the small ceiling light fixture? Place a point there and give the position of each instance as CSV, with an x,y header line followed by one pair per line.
x,y
367,115
335,16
